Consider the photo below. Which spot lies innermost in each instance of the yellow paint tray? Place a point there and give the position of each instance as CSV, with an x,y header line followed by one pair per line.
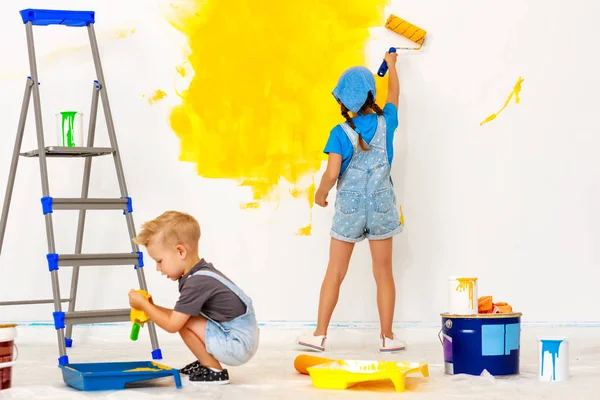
x,y
342,374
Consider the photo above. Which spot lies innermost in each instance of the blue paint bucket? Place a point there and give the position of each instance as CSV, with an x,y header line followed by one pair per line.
x,y
473,343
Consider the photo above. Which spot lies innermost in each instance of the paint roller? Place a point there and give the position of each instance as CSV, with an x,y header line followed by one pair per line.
x,y
406,29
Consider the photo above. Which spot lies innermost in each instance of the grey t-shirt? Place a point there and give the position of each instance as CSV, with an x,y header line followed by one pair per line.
x,y
206,294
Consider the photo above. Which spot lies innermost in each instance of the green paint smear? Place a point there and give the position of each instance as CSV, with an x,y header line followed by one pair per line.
x,y
67,137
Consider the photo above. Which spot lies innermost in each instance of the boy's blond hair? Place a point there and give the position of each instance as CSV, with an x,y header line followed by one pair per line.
x,y
176,228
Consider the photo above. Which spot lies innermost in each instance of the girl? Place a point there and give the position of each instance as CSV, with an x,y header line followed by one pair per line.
x,y
360,155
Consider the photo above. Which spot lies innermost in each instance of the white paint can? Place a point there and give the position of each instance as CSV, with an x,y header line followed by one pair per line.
x,y
8,354
553,359
462,295
69,129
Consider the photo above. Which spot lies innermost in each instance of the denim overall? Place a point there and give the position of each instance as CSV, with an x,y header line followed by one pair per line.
x,y
233,342
365,205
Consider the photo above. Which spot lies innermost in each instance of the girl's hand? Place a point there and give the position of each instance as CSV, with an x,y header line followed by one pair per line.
x,y
136,300
321,198
390,59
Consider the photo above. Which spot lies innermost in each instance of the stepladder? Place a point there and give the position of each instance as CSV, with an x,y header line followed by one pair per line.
x,y
64,320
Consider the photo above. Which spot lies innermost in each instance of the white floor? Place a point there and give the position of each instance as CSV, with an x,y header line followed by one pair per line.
x,y
271,375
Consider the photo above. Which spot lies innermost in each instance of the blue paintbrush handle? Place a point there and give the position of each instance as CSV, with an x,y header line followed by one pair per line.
x,y
384,67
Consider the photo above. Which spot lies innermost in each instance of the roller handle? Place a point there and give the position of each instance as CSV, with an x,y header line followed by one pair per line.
x,y
384,67
135,331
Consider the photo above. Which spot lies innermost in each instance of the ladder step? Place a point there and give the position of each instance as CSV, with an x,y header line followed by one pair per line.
x,y
71,260
28,302
91,204
60,151
97,316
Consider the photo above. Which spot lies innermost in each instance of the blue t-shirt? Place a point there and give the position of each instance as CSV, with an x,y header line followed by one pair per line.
x,y
339,143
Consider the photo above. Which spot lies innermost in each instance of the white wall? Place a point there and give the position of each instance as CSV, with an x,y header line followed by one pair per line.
x,y
514,201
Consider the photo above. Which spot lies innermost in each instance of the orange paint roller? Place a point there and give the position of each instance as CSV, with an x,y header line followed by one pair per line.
x,y
304,361
406,29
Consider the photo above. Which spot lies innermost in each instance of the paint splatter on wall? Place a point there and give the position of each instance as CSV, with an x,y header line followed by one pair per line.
x,y
259,106
156,96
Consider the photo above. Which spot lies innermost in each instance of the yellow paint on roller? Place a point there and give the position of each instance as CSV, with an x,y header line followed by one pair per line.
x,y
467,284
406,29
157,96
515,92
259,108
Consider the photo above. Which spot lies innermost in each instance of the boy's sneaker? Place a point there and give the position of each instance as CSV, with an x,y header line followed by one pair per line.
x,y
391,345
312,342
191,368
208,376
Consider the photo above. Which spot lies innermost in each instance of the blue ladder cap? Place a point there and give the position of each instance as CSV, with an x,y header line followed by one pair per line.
x,y
46,205
63,360
68,342
57,17
52,261
157,354
129,205
140,260
59,319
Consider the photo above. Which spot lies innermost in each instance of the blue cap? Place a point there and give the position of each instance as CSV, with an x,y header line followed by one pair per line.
x,y
353,87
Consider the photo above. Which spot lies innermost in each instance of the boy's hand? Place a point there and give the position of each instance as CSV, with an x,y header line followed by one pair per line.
x,y
390,59
136,300
321,198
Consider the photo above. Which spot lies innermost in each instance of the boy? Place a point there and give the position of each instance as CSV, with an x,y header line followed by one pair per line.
x,y
214,317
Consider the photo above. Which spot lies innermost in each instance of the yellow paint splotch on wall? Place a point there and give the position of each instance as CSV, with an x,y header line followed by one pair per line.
x,y
259,106
123,33
515,92
156,96
309,194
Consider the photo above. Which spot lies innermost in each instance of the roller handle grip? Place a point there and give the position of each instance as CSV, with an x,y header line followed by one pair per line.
x,y
135,331
384,67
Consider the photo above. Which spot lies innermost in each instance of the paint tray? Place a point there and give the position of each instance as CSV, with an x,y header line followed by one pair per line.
x,y
343,374
114,375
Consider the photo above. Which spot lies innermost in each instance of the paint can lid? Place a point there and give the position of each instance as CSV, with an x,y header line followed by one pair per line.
x,y
553,338
481,316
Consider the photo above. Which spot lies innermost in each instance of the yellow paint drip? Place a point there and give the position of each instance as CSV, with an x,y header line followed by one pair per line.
x,y
307,230
401,217
253,205
157,96
515,92
259,106
181,70
467,284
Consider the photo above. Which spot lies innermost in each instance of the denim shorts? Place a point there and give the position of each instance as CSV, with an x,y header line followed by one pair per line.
x,y
359,216
233,343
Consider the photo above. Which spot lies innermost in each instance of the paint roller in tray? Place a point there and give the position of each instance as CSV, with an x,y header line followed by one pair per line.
x,y
406,29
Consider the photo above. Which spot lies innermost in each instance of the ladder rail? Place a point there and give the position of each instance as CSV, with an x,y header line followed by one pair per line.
x,y
37,107
10,184
118,165
85,186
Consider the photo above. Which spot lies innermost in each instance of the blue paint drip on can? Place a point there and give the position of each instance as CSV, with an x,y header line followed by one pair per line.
x,y
552,347
474,343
